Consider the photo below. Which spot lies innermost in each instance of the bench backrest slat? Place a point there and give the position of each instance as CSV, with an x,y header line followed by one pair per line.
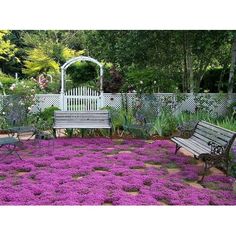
x,y
89,118
205,132
213,136
227,131
206,139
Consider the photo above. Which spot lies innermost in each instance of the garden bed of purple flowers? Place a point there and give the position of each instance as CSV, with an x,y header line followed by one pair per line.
x,y
101,171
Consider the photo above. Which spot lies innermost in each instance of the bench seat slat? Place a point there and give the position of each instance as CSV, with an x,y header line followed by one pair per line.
x,y
61,113
81,127
200,141
8,140
81,115
207,148
83,119
191,146
195,152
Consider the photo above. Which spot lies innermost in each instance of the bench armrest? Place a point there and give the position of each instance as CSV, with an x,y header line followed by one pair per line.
x,y
186,129
216,149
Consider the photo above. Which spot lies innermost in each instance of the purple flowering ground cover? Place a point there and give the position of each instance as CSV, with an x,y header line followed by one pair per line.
x,y
102,171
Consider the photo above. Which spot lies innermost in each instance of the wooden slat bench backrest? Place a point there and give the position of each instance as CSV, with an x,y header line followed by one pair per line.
x,y
205,132
86,118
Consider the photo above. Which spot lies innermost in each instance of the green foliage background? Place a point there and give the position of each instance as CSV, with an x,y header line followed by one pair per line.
x,y
164,60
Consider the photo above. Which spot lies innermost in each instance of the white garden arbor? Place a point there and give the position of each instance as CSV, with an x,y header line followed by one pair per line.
x,y
81,98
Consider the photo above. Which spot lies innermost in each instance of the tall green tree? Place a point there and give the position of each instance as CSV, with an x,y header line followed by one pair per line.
x,y
46,52
7,50
232,66
202,50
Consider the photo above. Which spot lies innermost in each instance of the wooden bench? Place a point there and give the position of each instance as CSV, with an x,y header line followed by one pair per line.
x,y
207,142
82,119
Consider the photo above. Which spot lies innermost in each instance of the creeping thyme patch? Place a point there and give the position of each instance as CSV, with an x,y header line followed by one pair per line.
x,y
102,171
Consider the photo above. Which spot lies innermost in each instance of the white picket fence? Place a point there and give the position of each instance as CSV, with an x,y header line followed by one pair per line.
x,y
82,99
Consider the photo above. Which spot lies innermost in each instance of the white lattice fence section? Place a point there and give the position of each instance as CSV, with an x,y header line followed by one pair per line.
x,y
46,100
117,100
214,103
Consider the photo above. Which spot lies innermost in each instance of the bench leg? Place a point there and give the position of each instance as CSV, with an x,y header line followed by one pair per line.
x,y
227,167
16,152
177,148
54,132
204,172
110,132
11,150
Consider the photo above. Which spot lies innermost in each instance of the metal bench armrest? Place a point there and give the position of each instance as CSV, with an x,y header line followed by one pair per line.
x,y
187,129
216,149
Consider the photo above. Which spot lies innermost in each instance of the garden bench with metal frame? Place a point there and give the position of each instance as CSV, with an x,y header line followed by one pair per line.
x,y
207,142
10,143
19,130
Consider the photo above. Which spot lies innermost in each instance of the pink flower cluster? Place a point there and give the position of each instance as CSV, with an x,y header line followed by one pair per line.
x,y
99,171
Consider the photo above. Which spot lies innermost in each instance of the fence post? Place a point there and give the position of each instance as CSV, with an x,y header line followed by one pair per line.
x,y
101,100
62,104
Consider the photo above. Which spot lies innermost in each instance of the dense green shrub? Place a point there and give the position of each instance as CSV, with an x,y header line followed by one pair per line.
x,y
86,73
119,118
3,121
23,88
53,87
215,80
69,132
43,120
6,82
18,104
113,79
48,113
83,73
186,116
148,80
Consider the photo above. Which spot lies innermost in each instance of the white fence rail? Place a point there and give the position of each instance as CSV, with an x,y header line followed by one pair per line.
x,y
217,103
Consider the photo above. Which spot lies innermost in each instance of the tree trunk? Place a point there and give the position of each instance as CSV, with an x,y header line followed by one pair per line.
x,y
190,69
232,67
188,64
220,82
185,76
